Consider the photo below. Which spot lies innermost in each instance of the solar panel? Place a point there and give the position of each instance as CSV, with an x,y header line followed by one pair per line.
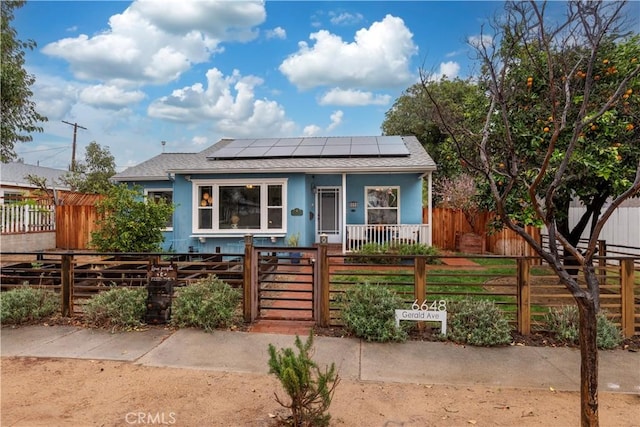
x,y
372,146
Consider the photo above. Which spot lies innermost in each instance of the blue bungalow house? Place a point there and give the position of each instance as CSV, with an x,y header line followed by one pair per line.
x,y
352,189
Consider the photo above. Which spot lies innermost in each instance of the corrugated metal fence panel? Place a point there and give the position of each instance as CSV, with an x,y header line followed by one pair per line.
x,y
622,228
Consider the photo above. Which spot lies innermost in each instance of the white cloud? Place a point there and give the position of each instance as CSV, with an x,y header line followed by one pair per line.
x,y
378,57
336,119
276,33
353,98
346,18
110,97
200,140
228,103
54,98
450,70
311,130
480,40
156,41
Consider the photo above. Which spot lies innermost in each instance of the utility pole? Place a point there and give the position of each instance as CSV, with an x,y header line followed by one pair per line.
x,y
73,150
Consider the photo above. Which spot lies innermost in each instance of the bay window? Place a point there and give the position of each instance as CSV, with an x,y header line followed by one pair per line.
x,y
238,205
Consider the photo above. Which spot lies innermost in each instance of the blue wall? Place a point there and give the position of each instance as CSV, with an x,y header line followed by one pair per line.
x,y
300,195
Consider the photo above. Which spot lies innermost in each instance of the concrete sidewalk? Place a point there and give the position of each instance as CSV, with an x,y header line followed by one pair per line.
x,y
409,362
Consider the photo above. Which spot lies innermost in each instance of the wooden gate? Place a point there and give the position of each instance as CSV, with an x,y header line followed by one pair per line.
x,y
285,284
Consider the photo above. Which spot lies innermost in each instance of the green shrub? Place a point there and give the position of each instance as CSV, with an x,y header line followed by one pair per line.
x,y
209,303
368,311
117,308
21,305
564,323
310,390
405,249
609,335
477,322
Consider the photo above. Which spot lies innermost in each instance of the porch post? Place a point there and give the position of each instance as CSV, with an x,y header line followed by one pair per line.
x,y
246,278
344,213
430,201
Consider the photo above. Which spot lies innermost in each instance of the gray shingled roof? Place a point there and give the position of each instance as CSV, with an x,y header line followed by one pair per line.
x,y
14,174
159,166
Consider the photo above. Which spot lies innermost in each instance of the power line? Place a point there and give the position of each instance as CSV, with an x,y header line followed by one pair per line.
x,y
73,151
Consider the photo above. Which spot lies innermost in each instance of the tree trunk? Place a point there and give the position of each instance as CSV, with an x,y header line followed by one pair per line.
x,y
588,363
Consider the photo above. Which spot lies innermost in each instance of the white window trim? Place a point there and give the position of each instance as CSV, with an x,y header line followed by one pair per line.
x,y
215,184
366,201
153,190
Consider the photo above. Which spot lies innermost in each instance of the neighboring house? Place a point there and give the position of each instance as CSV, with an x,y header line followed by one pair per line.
x,y
352,189
14,185
27,226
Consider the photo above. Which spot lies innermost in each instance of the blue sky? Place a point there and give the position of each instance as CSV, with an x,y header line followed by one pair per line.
x,y
191,72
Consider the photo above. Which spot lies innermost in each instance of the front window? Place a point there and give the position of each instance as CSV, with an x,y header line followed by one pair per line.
x,y
382,205
232,205
167,196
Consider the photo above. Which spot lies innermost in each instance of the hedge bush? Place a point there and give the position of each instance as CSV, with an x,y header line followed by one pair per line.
x,y
564,323
117,308
368,312
209,303
21,305
477,322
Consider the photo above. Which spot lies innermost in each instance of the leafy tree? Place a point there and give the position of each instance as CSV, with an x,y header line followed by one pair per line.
x,y
19,116
93,175
128,222
562,123
413,113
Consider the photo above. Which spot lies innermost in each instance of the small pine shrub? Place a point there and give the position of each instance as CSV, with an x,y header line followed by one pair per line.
x,y
117,308
21,305
564,323
310,390
368,311
209,304
478,322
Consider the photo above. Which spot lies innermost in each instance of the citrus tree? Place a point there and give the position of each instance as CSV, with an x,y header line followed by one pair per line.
x,y
561,124
128,222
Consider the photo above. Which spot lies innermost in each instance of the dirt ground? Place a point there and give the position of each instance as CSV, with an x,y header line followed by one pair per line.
x,y
64,392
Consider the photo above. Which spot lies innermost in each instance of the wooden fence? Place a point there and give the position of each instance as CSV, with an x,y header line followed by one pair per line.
x,y
522,287
74,225
450,224
26,218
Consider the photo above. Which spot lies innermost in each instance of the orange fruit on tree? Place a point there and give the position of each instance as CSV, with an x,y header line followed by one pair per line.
x,y
546,129
630,126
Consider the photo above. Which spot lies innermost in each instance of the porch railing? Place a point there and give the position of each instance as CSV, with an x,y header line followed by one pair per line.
x,y
17,218
360,234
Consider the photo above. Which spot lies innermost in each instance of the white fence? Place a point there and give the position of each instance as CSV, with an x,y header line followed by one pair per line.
x,y
17,218
360,234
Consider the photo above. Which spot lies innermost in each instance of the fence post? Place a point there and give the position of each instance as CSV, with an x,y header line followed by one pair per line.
x,y
420,280
628,301
325,291
524,296
247,294
66,275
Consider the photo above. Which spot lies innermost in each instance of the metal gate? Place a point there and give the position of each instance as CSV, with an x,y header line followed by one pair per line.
x,y
285,284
